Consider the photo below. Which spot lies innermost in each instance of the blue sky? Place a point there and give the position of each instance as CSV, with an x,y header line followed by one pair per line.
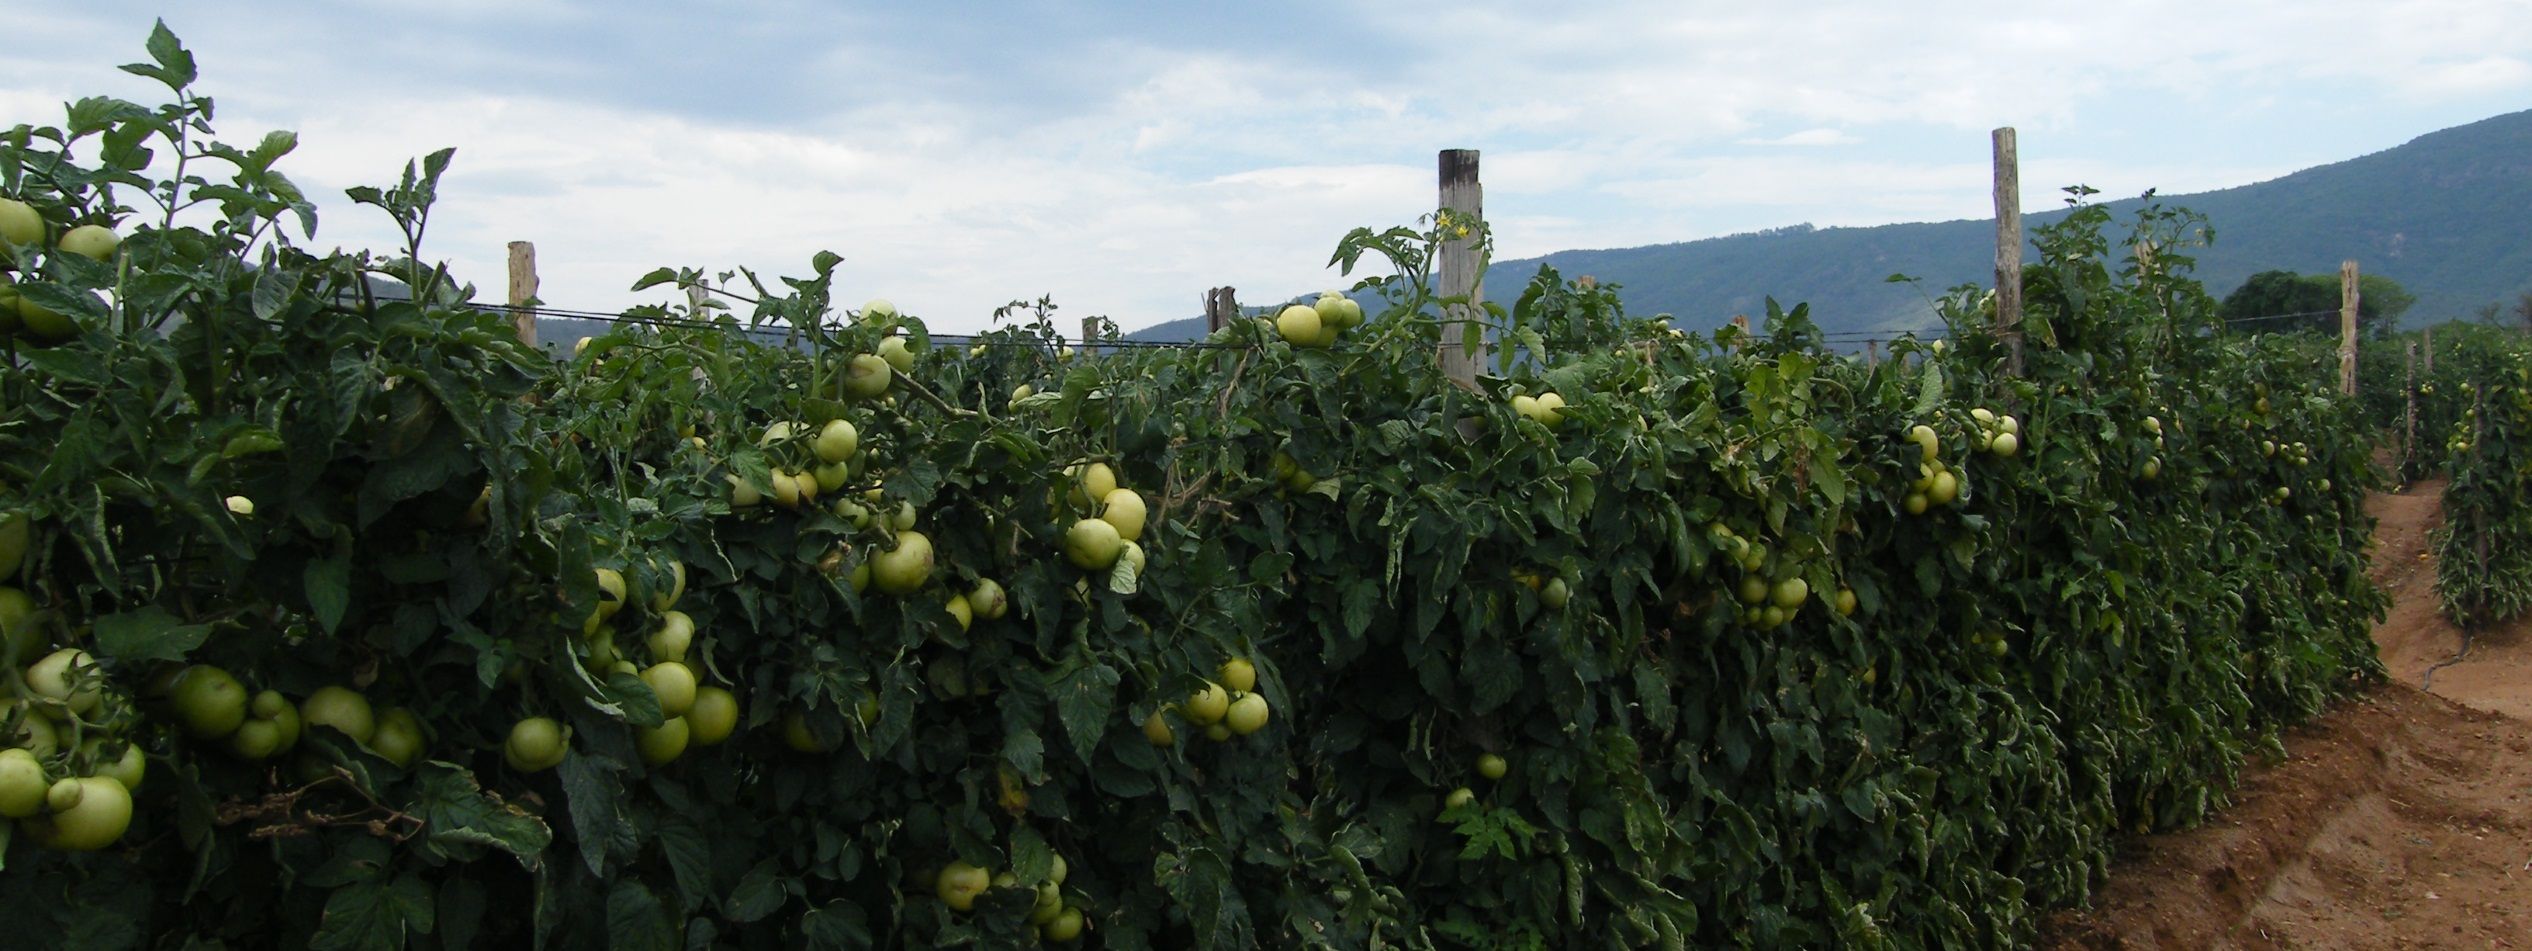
x,y
1123,157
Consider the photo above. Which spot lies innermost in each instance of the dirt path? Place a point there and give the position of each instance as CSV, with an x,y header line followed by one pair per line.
x,y
2400,819
2419,647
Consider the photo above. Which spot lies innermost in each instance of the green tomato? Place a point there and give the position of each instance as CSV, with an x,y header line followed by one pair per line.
x,y
208,702
97,817
341,708
797,734
1247,714
1491,766
960,883
899,356
399,737
1555,594
676,633
836,442
22,784
59,676
256,740
674,684
1065,927
903,569
20,223
1790,594
713,717
1050,902
868,375
1124,510
34,733
271,705
1093,544
1207,706
663,743
988,600
1239,675
94,242
20,636
126,767
536,744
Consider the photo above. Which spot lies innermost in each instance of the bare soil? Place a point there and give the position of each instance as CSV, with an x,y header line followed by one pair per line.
x,y
2399,819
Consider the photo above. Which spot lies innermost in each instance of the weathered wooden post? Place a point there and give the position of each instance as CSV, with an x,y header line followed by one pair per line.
x,y
1463,202
523,290
2009,248
1221,307
1872,354
2409,405
2348,297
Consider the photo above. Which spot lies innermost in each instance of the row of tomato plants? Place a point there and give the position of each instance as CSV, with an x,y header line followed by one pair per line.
x,y
2458,412
373,621
2475,417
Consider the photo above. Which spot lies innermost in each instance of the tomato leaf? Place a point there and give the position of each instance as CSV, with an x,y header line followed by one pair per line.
x,y
1084,700
655,278
374,915
173,59
461,909
148,633
328,583
688,849
1032,860
635,919
460,819
590,790
758,893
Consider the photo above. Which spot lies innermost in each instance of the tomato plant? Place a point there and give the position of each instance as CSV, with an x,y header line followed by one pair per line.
x,y
2484,549
746,625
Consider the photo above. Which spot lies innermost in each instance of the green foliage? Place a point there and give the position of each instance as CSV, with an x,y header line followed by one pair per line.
x,y
2484,549
2286,302
2087,640
2415,398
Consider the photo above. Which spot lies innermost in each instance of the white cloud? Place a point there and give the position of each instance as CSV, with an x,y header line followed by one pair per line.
x,y
1125,170
2486,74
1807,137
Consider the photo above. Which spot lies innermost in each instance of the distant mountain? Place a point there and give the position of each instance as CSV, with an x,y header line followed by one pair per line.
x,y
2448,215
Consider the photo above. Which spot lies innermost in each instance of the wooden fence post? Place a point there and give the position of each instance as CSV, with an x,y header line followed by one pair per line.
x,y
1872,354
1221,307
696,294
1463,199
2009,248
2409,407
2347,327
523,290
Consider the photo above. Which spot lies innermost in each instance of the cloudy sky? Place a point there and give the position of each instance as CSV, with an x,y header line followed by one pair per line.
x,y
1123,157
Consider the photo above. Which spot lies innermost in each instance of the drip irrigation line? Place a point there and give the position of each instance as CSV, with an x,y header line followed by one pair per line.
x,y
2308,313
2426,682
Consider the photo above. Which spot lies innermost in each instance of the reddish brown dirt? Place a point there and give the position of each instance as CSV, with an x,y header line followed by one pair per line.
x,y
2419,647
2399,819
